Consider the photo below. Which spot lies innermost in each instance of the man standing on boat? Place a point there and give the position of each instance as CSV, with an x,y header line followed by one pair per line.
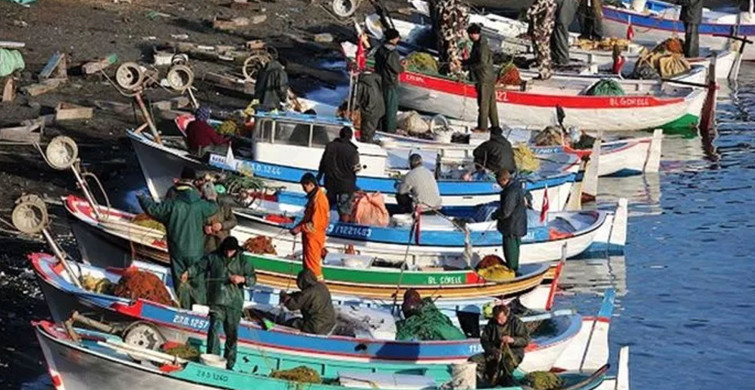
x,y
314,302
389,66
218,227
542,15
565,11
503,339
313,225
480,65
271,87
691,15
184,217
590,14
227,273
495,154
419,186
369,99
511,216
339,165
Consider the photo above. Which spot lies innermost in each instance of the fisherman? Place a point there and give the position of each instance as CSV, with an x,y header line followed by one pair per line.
x,y
371,105
188,179
419,186
314,302
480,65
202,138
511,216
542,15
691,15
218,227
590,14
271,87
389,66
339,165
503,340
227,274
423,321
495,154
565,11
313,225
184,217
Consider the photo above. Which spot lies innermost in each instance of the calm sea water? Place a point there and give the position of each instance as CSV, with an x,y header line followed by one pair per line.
x,y
687,280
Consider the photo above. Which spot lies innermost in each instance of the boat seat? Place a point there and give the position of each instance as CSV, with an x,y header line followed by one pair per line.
x,y
363,380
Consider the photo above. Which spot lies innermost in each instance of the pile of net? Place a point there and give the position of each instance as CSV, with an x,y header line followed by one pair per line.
x,y
605,87
355,115
146,221
427,324
300,374
604,44
260,245
664,61
671,45
550,136
543,380
101,286
229,127
525,158
369,209
421,62
508,75
541,327
493,269
183,351
137,284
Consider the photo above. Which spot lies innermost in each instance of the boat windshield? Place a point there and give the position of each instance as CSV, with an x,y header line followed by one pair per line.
x,y
297,133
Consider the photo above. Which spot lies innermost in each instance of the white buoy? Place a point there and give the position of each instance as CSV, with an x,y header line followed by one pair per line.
x,y
464,376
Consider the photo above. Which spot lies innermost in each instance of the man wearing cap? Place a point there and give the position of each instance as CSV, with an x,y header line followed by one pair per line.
x,y
339,165
313,225
480,65
218,226
184,217
389,66
228,272
202,138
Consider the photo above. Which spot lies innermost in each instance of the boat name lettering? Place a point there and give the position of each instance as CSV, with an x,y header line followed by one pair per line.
x,y
192,322
475,349
414,78
630,102
354,231
445,280
259,168
209,375
501,96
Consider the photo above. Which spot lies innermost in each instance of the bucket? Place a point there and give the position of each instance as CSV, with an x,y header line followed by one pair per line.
x,y
212,360
638,5
464,376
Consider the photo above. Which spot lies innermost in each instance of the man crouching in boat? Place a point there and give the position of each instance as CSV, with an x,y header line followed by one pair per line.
x,y
313,225
314,302
503,339
227,272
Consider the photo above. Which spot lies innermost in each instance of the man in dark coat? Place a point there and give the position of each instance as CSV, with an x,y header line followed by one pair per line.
x,y
590,14
371,105
495,154
503,339
184,217
480,65
314,302
511,216
691,16
271,87
218,226
389,66
340,164
228,272
565,11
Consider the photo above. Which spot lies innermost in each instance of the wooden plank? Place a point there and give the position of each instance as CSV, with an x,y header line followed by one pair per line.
x,y
67,111
43,87
9,90
12,45
230,83
56,64
30,131
100,64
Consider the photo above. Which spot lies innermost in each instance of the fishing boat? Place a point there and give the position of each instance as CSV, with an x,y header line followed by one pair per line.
x,y
278,137
364,337
659,20
77,358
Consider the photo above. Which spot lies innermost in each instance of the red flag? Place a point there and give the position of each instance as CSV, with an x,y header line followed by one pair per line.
x,y
546,205
361,57
630,30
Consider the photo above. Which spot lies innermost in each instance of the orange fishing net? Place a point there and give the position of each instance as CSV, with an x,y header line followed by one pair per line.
x,y
137,284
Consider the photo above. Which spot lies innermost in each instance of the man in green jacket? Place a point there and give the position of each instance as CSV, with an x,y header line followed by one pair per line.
x,y
480,65
389,66
184,217
227,273
314,302
271,88
503,339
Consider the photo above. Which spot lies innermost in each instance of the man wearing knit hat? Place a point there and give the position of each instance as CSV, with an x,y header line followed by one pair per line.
x,y
389,66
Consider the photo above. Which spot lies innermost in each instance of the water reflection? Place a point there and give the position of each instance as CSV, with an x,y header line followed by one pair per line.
x,y
594,276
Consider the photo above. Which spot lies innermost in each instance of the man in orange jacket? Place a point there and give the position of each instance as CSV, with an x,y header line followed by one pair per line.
x,y
314,224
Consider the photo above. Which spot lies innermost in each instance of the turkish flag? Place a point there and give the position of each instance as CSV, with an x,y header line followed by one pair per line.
x,y
545,207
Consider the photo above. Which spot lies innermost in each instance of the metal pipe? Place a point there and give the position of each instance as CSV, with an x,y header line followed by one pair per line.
x,y
87,193
61,257
147,117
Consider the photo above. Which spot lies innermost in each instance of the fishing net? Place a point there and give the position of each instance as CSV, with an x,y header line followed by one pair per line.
x,y
300,374
509,75
489,261
550,136
137,284
671,45
183,351
146,221
644,70
672,65
497,273
605,87
229,127
541,327
235,184
98,285
422,63
428,323
543,380
260,245
604,44
525,158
